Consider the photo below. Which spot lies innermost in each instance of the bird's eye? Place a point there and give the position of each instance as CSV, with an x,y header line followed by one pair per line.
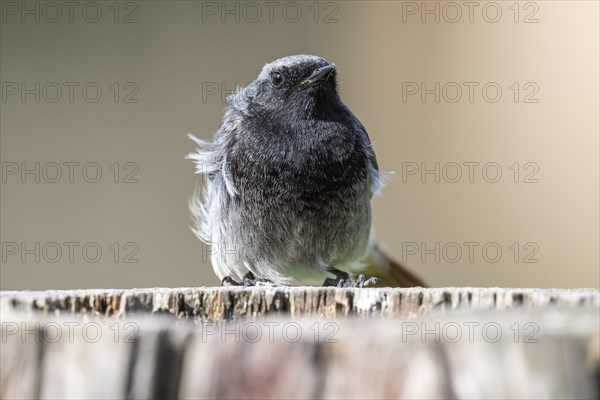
x,y
276,79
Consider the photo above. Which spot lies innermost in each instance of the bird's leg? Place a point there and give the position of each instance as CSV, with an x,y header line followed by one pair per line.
x,y
340,279
249,279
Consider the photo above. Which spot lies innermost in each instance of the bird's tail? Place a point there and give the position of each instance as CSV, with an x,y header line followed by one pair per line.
x,y
391,272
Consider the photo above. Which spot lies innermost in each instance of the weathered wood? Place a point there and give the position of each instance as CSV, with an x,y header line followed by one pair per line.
x,y
231,303
305,342
552,353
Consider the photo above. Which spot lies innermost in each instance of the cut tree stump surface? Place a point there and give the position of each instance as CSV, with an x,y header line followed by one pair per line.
x,y
304,342
232,303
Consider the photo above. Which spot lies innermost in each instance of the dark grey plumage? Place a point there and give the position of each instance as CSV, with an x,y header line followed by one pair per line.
x,y
291,174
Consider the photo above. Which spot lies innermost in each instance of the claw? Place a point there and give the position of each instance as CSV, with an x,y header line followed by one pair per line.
x,y
265,282
342,279
248,280
362,282
230,281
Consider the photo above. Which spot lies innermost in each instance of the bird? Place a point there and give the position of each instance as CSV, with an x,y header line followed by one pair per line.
x,y
290,176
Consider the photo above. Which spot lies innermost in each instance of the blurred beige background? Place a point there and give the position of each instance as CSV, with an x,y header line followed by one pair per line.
x,y
173,56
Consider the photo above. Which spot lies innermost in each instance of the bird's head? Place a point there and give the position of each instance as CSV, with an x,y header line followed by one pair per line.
x,y
296,87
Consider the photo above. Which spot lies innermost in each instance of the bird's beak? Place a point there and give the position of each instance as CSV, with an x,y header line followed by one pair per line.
x,y
319,74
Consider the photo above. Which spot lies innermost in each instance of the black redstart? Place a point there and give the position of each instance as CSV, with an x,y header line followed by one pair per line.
x,y
291,172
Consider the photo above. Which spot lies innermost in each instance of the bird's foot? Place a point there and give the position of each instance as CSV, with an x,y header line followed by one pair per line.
x,y
342,279
230,281
264,282
248,280
362,282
